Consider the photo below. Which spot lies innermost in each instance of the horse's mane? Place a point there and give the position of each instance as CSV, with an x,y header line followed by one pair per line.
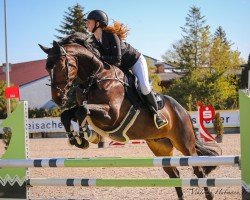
x,y
82,39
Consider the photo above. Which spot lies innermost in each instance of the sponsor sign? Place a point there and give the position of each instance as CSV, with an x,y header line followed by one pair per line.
x,y
230,118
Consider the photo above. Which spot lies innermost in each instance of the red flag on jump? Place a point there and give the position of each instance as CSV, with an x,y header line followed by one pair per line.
x,y
12,92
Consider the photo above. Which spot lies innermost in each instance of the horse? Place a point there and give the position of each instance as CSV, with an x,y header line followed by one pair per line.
x,y
104,105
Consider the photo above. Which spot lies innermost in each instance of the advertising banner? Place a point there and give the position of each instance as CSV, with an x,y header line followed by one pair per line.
x,y
230,118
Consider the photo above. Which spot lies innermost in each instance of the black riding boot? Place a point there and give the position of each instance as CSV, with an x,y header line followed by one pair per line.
x,y
151,99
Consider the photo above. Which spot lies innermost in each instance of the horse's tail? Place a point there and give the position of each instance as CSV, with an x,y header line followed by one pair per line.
x,y
203,150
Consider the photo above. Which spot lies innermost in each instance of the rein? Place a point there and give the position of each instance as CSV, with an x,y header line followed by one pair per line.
x,y
96,79
92,79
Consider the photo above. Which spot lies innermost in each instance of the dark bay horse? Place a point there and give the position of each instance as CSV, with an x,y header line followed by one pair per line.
x,y
107,105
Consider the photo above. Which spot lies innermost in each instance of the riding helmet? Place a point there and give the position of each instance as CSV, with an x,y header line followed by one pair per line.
x,y
99,15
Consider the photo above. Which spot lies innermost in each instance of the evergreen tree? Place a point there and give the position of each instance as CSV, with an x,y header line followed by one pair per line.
x,y
193,30
74,21
221,34
209,64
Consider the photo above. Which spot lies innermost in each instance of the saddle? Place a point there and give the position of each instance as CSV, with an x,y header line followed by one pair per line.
x,y
137,100
134,95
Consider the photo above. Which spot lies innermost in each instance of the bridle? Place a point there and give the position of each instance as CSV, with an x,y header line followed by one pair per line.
x,y
69,84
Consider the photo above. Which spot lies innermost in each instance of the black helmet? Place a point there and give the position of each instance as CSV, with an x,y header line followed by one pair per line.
x,y
100,16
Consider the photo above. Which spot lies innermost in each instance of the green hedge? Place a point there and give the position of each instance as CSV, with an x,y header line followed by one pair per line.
x,y
41,112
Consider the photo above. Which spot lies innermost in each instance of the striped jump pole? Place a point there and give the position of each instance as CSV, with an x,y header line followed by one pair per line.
x,y
173,182
123,162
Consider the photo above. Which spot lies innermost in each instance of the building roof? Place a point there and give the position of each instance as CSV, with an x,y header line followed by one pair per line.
x,y
167,65
26,72
168,76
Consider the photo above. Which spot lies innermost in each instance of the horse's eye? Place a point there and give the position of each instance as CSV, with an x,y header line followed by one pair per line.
x,y
49,65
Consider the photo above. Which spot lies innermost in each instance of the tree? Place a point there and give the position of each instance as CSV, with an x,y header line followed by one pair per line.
x,y
209,63
173,54
155,78
74,21
221,34
2,100
193,30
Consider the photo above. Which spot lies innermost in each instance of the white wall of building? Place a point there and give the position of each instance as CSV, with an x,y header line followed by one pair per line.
x,y
37,93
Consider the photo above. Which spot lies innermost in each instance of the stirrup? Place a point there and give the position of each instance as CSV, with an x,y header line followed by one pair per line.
x,y
159,122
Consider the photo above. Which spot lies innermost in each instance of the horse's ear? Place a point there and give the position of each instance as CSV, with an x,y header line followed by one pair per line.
x,y
45,49
58,48
56,44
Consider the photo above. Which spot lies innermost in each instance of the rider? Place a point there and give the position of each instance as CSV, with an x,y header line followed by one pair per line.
x,y
117,52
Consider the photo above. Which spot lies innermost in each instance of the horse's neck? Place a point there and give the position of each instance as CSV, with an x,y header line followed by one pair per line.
x,y
88,65
109,91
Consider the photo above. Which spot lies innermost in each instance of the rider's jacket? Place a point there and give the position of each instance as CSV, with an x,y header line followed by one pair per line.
x,y
116,52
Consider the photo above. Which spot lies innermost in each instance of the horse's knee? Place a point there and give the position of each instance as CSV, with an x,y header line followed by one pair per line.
x,y
69,114
65,116
81,113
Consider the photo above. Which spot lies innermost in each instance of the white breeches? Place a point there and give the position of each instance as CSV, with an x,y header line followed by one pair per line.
x,y
140,70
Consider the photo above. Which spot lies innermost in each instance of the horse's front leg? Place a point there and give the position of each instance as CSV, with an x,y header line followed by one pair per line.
x,y
84,130
66,118
98,111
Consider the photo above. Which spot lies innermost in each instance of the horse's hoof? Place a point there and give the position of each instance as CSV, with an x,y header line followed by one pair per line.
x,y
84,144
78,140
72,142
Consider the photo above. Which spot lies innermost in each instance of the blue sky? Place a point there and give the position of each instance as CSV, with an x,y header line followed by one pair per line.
x,y
154,24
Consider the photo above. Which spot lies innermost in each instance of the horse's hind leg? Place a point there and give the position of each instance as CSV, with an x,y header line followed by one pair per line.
x,y
189,149
198,171
164,147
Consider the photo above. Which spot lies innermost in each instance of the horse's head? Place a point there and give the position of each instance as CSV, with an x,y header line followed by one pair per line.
x,y
62,68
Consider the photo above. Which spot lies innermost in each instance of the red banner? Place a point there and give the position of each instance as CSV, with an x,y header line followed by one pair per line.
x,y
12,92
205,113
